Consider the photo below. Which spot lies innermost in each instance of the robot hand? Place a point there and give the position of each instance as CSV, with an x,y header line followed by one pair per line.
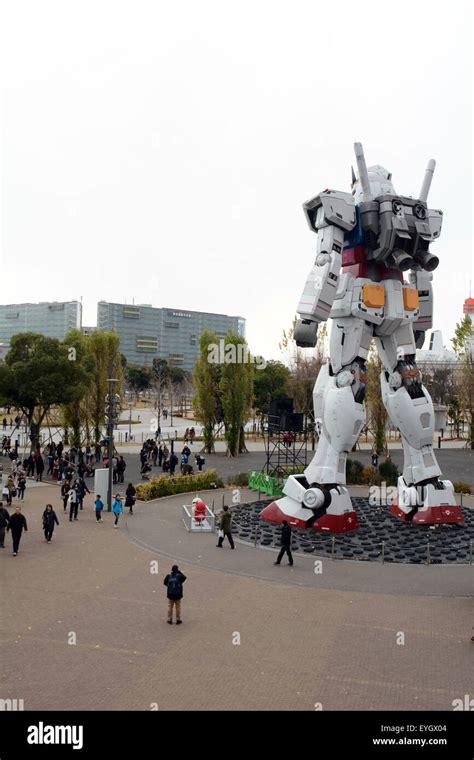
x,y
305,333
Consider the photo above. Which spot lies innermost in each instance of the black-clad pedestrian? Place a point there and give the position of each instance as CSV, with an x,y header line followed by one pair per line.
x,y
16,525
49,519
4,520
285,543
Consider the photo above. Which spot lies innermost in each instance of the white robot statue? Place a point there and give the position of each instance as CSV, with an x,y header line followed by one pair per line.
x,y
366,240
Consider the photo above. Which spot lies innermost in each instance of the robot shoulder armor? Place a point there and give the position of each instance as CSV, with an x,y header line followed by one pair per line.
x,y
331,207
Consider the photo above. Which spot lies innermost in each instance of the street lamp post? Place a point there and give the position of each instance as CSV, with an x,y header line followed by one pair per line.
x,y
112,400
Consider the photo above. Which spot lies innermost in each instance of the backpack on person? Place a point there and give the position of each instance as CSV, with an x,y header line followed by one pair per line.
x,y
175,587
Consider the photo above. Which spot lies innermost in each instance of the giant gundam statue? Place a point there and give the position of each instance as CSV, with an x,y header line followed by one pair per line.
x,y
366,241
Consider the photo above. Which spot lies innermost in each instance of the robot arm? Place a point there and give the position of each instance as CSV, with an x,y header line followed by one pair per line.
x,y
330,214
422,280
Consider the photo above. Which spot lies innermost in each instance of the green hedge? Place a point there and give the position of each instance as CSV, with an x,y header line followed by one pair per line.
x,y
169,486
240,479
461,487
354,470
389,473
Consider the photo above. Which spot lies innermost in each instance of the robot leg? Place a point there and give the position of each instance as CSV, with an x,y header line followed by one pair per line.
x,y
318,498
422,496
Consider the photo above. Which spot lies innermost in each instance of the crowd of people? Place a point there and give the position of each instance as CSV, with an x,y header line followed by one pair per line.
x,y
156,454
69,469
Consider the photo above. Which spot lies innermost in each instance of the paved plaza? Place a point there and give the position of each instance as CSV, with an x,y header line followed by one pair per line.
x,y
84,622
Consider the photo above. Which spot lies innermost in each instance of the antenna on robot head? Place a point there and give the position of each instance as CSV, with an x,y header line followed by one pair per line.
x,y
363,174
425,188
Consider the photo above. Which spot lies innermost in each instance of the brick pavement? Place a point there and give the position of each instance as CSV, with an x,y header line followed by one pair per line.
x,y
299,644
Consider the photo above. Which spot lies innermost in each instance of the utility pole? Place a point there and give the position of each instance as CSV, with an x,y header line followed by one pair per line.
x,y
111,412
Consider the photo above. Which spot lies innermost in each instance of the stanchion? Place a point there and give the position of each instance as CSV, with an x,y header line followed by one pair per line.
x,y
470,551
428,557
383,552
333,547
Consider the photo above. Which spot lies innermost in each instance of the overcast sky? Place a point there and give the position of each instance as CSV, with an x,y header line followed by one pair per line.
x,y
161,151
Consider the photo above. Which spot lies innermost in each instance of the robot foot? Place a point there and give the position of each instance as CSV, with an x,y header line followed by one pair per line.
x,y
322,508
430,503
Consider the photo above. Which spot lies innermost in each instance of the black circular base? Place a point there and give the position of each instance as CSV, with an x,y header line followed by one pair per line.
x,y
402,541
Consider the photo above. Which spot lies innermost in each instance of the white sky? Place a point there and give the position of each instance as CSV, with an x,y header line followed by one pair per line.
x,y
161,151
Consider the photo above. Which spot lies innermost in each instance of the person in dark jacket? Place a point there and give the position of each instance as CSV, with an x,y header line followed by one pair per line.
x,y
130,495
4,520
49,518
225,526
173,463
174,583
81,490
285,543
21,486
121,467
39,468
17,524
65,487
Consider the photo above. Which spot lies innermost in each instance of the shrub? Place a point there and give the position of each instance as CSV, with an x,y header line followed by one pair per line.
x,y
354,470
389,473
169,486
461,487
240,479
370,476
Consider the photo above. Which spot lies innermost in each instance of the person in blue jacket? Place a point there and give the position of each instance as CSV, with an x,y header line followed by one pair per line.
x,y
117,509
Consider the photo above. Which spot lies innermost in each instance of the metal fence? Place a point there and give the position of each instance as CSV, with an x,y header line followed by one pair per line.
x,y
428,559
193,525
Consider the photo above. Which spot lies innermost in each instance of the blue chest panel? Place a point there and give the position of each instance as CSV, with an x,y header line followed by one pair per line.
x,y
355,236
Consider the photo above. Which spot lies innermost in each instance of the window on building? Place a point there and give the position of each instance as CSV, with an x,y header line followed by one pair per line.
x,y
131,312
193,340
147,344
171,324
175,360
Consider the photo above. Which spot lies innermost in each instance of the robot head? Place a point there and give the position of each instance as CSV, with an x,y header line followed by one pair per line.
x,y
379,180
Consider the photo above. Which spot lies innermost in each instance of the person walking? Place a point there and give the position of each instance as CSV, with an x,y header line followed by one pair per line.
x,y
117,509
99,506
130,495
21,486
4,520
73,503
49,519
65,488
11,488
285,543
121,467
17,524
174,583
173,463
225,529
39,468
81,489
6,494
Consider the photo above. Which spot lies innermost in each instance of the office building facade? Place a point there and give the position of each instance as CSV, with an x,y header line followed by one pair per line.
x,y
53,319
147,333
